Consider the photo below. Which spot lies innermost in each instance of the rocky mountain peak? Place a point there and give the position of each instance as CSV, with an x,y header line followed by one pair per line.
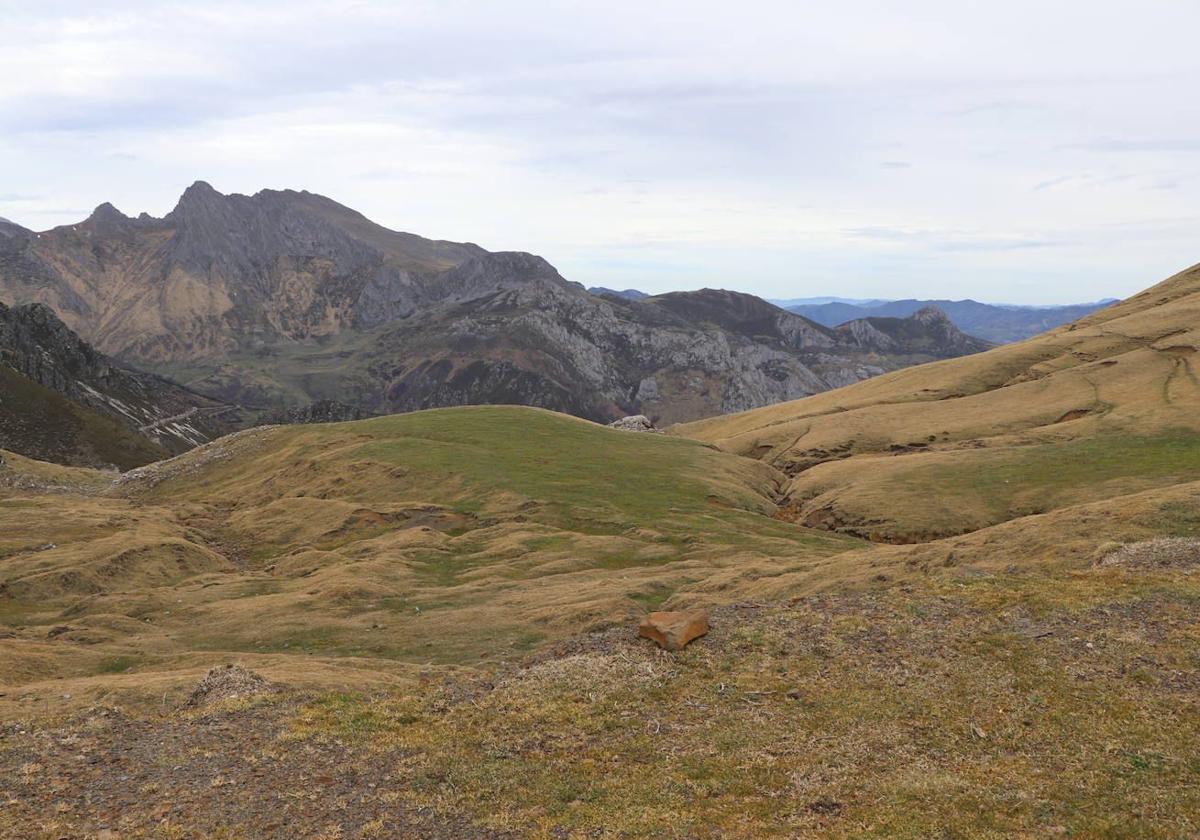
x,y
198,201
927,329
529,277
746,315
718,305
240,237
107,220
108,211
286,272
199,190
931,315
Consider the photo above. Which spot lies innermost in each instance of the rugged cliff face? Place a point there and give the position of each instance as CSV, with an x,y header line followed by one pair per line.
x,y
284,298
62,400
672,358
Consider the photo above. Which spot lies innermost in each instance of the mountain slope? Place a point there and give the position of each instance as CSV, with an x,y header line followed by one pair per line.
x,y
673,357
38,422
284,298
1104,406
990,322
928,331
221,272
61,400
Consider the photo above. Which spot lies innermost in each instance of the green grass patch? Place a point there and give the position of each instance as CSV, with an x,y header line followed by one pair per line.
x,y
1050,475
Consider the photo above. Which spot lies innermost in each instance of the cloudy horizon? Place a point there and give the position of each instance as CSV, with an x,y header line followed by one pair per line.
x,y
1034,153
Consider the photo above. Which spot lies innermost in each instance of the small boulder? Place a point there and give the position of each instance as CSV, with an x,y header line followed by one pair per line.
x,y
673,630
634,423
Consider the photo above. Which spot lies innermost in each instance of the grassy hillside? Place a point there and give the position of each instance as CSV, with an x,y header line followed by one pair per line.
x,y
1091,410
1025,680
1000,706
447,536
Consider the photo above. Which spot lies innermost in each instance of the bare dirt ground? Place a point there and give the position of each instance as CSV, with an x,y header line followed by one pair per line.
x,y
217,774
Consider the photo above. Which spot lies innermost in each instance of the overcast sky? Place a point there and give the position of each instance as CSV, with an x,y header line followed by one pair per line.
x,y
1009,151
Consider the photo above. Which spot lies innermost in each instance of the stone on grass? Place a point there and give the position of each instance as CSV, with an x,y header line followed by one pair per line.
x,y
673,630
634,423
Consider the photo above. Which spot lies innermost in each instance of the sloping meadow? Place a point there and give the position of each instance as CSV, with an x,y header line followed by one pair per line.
x,y
454,536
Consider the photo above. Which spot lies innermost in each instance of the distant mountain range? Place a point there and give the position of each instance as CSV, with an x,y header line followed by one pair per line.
x,y
993,322
816,301
285,298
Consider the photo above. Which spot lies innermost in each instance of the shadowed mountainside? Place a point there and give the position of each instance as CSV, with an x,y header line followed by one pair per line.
x,y
61,400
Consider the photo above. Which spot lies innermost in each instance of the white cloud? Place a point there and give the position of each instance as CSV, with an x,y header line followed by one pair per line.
x,y
1011,150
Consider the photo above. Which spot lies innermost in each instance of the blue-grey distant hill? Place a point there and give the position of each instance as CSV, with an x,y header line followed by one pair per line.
x,y
628,294
788,303
992,322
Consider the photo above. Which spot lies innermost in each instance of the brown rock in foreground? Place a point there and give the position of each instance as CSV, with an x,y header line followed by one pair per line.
x,y
673,630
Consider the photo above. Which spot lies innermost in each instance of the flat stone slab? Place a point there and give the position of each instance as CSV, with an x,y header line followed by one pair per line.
x,y
673,630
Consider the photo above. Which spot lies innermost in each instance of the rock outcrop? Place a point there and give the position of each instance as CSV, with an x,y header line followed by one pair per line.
x,y
634,423
231,682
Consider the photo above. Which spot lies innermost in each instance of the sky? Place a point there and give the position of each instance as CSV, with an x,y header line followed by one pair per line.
x,y
1029,152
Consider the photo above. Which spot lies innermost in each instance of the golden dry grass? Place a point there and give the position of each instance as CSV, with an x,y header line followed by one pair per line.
x,y
1092,410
